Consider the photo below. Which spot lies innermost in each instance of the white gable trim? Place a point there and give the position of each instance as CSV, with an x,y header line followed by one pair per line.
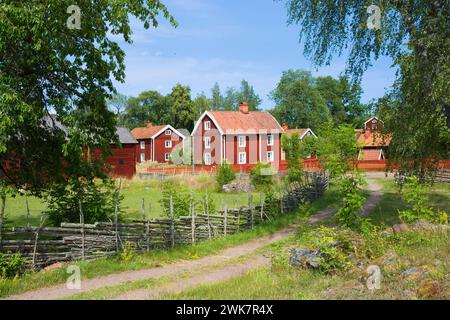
x,y
168,127
371,120
310,131
206,113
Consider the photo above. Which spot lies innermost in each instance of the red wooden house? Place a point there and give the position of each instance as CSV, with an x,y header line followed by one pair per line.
x,y
241,138
156,143
123,158
374,144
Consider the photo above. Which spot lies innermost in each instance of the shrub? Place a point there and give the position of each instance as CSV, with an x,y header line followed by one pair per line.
x,y
352,201
12,266
98,201
261,176
225,174
128,252
271,203
180,197
205,203
415,193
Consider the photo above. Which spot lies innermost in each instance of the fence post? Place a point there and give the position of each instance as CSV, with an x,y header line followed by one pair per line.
x,y
36,238
28,211
172,223
261,205
207,212
82,230
143,209
116,218
193,222
225,218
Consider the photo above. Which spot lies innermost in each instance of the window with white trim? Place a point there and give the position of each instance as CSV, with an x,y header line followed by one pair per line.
x,y
168,144
242,141
270,140
207,159
142,145
242,158
270,156
207,125
167,156
168,132
207,142
142,157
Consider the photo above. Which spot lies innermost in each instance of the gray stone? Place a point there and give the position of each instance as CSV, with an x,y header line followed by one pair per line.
x,y
304,258
412,271
423,225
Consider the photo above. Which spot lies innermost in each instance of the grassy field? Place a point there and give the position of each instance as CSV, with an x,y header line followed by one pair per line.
x,y
91,269
133,191
427,250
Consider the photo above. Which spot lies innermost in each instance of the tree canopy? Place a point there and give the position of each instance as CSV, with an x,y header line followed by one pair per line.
x,y
47,68
415,35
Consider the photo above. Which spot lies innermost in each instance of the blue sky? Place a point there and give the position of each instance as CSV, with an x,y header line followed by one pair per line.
x,y
226,41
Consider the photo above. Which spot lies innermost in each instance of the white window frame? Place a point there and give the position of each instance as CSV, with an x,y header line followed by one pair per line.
x,y
169,145
168,132
270,139
270,156
207,142
142,156
245,158
142,145
242,139
206,156
207,125
167,157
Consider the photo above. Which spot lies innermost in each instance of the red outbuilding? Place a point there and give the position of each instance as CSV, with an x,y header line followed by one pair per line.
x,y
156,143
241,138
373,143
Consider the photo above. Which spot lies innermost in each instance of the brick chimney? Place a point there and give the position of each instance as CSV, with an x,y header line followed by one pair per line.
x,y
284,126
149,124
244,108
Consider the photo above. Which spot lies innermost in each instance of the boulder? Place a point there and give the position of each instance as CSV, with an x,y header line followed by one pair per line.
x,y
304,258
399,228
240,185
423,225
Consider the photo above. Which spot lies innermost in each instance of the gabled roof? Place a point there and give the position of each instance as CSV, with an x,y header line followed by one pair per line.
x,y
301,132
125,135
146,132
253,121
184,132
374,140
154,131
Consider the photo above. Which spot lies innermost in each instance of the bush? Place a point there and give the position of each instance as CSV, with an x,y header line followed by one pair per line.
x,y
414,193
98,201
128,252
225,175
261,176
352,201
180,197
205,203
12,266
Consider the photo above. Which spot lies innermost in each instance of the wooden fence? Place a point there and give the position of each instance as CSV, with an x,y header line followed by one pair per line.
x,y
42,246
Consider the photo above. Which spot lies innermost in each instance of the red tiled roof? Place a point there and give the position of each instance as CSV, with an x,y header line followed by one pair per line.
x,y
146,132
374,140
370,154
236,120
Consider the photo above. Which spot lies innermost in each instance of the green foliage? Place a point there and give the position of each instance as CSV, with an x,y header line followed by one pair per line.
x,y
128,252
46,67
225,175
98,201
414,34
232,98
205,203
415,194
298,102
292,147
334,257
271,203
261,176
352,202
180,198
11,266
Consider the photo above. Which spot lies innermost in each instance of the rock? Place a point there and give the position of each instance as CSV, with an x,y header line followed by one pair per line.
x,y
385,233
304,258
413,272
399,228
54,266
390,258
409,295
423,225
240,185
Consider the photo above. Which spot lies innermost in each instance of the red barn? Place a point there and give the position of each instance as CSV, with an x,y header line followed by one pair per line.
x,y
373,143
239,137
156,143
123,158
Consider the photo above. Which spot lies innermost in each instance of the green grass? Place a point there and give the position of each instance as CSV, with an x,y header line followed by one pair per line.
x,y
157,258
424,249
133,191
